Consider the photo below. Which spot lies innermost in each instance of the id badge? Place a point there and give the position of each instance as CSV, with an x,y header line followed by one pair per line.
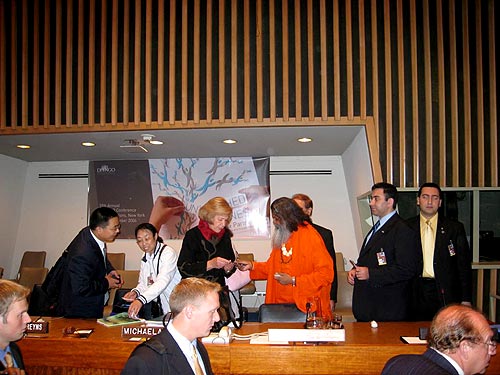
x,y
382,261
451,249
150,280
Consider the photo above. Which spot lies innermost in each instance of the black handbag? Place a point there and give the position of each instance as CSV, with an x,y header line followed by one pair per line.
x,y
225,312
150,310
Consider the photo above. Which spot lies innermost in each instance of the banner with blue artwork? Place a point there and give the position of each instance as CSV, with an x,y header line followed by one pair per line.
x,y
169,192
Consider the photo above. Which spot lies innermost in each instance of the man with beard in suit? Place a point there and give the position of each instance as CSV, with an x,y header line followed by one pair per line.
x,y
447,274
293,273
389,260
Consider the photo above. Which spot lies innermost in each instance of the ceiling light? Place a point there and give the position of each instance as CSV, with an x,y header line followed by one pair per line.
x,y
149,138
229,141
24,147
304,140
88,144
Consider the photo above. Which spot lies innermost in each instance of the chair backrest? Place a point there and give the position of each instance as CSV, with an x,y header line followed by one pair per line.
x,y
281,312
29,276
35,259
250,287
129,277
344,292
339,259
117,260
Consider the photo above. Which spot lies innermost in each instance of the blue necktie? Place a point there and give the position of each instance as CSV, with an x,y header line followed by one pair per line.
x,y
374,229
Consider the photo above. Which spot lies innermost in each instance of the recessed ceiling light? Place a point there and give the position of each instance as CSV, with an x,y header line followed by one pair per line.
x,y
149,138
24,147
229,141
88,144
304,140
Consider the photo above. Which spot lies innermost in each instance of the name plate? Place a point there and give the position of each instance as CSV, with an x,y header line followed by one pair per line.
x,y
37,327
145,332
306,335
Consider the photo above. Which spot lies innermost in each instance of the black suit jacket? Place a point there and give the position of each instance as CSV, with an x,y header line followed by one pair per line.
x,y
453,273
429,363
327,236
385,296
84,283
162,356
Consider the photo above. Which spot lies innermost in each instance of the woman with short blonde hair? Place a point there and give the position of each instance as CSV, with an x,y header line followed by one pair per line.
x,y
207,251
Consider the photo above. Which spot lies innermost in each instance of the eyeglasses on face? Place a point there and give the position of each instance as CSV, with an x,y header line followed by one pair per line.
x,y
492,345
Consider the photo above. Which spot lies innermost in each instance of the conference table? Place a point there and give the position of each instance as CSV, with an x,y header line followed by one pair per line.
x,y
364,351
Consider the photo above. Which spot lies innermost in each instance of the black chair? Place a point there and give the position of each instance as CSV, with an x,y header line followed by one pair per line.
x,y
281,312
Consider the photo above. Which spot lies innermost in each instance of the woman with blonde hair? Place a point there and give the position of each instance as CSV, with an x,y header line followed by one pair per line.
x,y
207,251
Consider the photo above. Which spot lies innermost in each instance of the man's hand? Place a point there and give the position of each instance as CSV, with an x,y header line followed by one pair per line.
x,y
114,280
362,273
351,275
283,278
244,265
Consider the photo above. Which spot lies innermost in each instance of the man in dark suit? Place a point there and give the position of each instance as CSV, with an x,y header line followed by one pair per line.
x,y
13,319
306,204
447,274
460,338
89,274
176,350
388,261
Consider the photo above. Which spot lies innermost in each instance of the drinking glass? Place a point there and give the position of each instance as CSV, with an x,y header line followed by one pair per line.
x,y
314,318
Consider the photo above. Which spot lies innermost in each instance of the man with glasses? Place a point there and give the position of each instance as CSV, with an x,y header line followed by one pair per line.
x,y
89,274
460,342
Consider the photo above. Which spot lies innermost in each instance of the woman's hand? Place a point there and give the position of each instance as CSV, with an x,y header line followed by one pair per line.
x,y
130,296
133,310
218,263
229,267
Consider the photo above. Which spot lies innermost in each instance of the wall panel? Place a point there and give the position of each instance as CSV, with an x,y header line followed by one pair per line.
x,y
423,72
